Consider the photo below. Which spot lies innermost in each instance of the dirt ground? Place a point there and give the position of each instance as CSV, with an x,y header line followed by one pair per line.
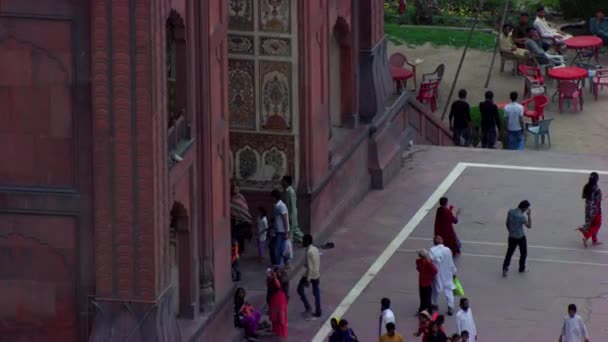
x,y
578,132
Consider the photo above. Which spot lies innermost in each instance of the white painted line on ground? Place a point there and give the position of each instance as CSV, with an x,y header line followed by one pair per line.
x,y
529,246
532,168
390,250
529,259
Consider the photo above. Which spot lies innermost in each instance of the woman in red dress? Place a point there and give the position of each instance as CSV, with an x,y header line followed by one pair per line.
x,y
444,226
278,305
593,210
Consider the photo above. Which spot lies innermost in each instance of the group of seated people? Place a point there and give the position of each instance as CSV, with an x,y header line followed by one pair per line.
x,y
531,43
528,43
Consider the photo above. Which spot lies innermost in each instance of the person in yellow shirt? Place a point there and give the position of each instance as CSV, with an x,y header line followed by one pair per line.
x,y
391,335
507,45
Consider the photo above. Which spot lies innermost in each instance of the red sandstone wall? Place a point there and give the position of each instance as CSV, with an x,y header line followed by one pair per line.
x,y
45,223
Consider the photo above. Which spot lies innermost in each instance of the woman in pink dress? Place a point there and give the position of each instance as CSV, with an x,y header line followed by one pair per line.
x,y
277,304
593,210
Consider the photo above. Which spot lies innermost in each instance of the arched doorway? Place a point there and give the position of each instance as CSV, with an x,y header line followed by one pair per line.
x,y
342,77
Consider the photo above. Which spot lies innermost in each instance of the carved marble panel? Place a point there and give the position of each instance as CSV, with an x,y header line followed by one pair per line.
x,y
240,15
275,16
241,93
276,158
240,44
275,95
274,165
247,163
275,47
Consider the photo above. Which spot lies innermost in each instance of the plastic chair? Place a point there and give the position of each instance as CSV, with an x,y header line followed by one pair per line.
x,y
436,75
532,76
553,61
398,60
540,131
569,90
506,57
538,113
599,81
428,94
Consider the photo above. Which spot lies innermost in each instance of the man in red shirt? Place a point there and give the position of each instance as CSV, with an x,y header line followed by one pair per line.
x,y
426,274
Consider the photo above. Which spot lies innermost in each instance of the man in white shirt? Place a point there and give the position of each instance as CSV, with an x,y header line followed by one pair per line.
x,y
514,123
281,226
446,270
312,276
465,320
545,30
387,315
573,329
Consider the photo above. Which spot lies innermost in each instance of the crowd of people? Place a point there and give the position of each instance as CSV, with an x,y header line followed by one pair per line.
x,y
275,235
436,268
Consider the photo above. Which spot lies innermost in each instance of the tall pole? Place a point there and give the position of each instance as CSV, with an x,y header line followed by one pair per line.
x,y
464,53
502,24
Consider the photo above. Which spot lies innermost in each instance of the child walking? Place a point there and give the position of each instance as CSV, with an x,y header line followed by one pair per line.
x,y
262,232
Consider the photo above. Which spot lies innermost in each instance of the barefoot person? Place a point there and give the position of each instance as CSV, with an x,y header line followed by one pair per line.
x,y
516,220
444,225
593,210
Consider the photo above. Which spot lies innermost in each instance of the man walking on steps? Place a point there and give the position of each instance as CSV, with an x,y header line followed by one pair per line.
x,y
516,220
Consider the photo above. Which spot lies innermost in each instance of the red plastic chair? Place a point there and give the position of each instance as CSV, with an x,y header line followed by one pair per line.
x,y
599,81
428,94
538,112
532,76
398,60
569,90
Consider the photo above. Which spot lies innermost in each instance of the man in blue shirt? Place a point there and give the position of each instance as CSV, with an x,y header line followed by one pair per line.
x,y
516,220
599,26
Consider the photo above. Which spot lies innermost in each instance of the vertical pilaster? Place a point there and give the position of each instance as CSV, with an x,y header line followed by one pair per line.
x,y
130,174
211,47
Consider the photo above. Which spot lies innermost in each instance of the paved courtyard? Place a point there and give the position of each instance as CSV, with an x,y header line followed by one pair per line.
x,y
375,247
570,131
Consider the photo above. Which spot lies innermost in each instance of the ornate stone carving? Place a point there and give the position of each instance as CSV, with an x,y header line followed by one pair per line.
x,y
240,44
275,16
274,165
241,93
270,46
275,95
277,157
240,14
247,163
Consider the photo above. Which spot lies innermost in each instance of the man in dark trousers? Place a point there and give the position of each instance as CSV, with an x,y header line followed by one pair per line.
x,y
312,276
516,220
460,119
490,121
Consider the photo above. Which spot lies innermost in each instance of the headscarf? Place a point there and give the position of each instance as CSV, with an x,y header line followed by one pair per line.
x,y
239,210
